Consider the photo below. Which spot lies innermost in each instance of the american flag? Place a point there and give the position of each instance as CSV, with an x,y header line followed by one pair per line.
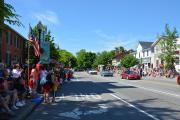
x,y
35,43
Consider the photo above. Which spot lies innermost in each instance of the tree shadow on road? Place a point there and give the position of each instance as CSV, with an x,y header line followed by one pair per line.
x,y
112,110
88,87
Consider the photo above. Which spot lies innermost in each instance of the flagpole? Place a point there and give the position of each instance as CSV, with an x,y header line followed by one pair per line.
x,y
28,56
28,62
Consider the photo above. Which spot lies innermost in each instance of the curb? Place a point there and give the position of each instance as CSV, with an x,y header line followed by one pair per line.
x,y
27,111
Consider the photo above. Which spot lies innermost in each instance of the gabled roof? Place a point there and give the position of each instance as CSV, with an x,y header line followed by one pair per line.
x,y
145,45
155,43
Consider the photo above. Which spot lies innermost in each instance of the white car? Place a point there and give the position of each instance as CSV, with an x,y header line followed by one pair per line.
x,y
92,72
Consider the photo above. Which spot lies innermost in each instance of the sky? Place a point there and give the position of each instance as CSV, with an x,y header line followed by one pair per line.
x,y
97,25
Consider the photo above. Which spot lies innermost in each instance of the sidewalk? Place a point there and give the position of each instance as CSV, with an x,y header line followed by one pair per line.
x,y
23,112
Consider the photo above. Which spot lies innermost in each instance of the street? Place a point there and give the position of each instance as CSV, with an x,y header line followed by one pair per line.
x,y
93,97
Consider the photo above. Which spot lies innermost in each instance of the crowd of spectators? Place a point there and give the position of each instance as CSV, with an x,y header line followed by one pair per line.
x,y
17,83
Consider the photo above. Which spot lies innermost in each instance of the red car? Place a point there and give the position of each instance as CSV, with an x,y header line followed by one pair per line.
x,y
130,75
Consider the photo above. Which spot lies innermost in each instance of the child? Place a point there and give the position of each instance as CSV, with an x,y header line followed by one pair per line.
x,y
55,86
47,87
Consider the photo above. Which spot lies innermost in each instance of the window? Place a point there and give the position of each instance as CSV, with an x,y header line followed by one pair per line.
x,y
11,39
0,54
16,42
0,36
8,58
143,54
139,55
147,53
8,38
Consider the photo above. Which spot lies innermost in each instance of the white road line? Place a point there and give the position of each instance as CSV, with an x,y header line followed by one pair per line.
x,y
131,105
149,89
76,96
87,97
82,96
95,96
153,90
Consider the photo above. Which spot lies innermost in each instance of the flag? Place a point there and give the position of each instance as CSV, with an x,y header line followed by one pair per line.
x,y
35,43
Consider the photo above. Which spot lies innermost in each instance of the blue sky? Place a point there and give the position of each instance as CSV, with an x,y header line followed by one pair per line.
x,y
97,25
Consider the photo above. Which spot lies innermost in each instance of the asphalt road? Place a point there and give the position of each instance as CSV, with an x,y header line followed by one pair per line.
x,y
92,97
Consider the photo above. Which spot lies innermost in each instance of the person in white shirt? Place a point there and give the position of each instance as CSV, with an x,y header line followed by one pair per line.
x,y
16,75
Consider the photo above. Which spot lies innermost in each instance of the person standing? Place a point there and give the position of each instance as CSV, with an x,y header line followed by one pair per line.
x,y
16,76
33,80
141,72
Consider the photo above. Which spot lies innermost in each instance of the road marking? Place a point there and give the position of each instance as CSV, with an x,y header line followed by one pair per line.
x,y
102,109
77,113
131,105
87,97
82,96
148,89
153,90
161,83
95,96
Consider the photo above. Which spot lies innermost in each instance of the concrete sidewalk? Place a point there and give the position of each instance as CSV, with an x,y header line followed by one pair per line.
x,y
23,112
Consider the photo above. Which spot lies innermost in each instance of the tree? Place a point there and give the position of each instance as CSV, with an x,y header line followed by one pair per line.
x,y
8,14
67,58
103,58
168,46
85,59
120,49
129,61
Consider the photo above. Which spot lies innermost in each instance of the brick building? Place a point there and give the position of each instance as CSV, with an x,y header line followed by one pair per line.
x,y
12,46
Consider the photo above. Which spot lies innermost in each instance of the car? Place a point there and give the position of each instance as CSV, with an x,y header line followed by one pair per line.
x,y
106,73
130,75
92,72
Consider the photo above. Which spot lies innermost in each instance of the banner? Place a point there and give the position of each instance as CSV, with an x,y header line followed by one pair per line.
x,y
45,55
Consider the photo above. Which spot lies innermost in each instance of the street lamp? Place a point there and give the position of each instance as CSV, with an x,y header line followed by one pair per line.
x,y
40,27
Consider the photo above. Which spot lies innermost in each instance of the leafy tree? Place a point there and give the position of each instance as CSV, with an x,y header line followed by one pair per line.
x,y
129,61
103,58
168,46
120,49
8,14
67,58
85,59
80,55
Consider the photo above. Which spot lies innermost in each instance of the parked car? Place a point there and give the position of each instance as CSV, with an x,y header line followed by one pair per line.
x,y
93,72
106,73
130,75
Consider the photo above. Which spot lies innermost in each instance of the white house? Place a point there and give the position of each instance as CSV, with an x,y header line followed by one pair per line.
x,y
144,54
157,51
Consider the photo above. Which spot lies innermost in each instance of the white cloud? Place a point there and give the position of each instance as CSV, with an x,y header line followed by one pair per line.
x,y
48,16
